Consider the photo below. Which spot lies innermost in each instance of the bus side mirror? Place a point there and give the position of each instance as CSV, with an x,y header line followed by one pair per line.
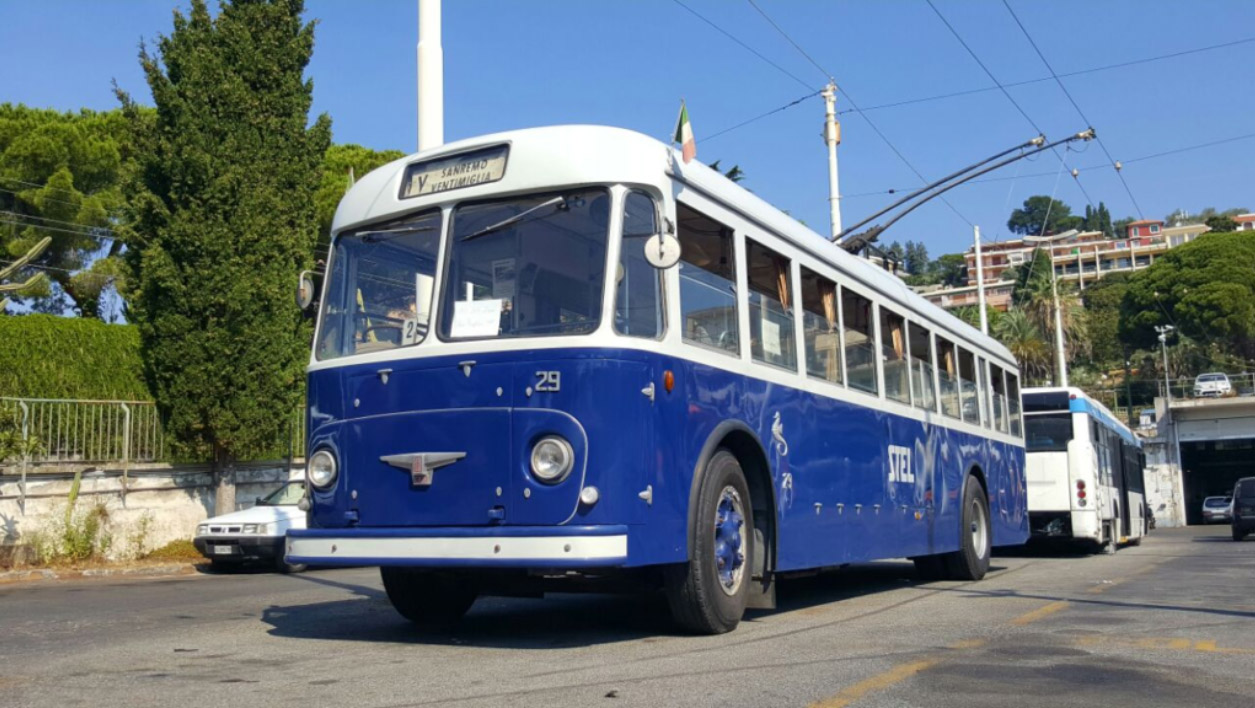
x,y
305,290
662,250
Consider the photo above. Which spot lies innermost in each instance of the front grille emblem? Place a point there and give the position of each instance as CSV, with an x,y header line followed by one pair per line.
x,y
422,465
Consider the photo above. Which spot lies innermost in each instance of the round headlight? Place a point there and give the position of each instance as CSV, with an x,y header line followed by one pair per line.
x,y
322,469
552,459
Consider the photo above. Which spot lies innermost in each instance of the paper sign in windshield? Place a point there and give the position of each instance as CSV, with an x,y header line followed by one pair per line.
x,y
476,318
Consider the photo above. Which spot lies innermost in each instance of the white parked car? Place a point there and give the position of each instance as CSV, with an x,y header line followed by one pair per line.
x,y
256,534
1212,385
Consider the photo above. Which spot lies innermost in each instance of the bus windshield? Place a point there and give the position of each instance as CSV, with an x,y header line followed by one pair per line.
x,y
1049,432
530,266
379,292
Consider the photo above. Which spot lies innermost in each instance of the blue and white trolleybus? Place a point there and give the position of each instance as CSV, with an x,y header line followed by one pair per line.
x,y
560,358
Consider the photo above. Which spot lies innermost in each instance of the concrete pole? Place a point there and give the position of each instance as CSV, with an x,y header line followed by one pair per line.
x,y
1059,349
980,285
430,76
832,138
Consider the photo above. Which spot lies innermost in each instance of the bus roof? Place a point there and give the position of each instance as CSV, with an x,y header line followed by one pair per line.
x,y
1079,402
553,156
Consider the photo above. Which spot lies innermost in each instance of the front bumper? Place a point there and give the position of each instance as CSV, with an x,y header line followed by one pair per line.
x,y
1217,517
239,548
481,547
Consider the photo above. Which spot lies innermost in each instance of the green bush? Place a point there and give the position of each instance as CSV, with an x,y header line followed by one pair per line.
x,y
43,356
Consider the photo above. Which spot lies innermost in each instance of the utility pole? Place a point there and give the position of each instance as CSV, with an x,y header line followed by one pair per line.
x,y
1054,292
1163,346
832,138
430,76
980,285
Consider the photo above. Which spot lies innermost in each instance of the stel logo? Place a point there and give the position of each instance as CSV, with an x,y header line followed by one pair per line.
x,y
900,464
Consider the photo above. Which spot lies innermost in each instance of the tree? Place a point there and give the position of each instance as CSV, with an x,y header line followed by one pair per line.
x,y
895,249
1205,288
1042,211
950,269
59,178
222,219
1222,224
1120,229
734,173
1018,333
1102,313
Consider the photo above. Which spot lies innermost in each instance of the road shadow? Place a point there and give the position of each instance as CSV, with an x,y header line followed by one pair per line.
x,y
559,620
1046,549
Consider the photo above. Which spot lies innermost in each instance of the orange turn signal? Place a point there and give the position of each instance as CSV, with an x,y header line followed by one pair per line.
x,y
668,380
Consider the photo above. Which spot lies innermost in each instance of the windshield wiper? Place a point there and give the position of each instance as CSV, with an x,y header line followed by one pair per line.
x,y
380,235
510,221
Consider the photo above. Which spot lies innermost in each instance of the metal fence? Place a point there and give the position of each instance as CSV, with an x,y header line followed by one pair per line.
x,y
78,431
1240,384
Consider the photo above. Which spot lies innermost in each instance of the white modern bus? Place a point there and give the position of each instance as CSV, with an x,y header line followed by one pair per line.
x,y
560,358
1084,471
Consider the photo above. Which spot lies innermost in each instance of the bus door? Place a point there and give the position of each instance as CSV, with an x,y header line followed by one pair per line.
x,y
1120,475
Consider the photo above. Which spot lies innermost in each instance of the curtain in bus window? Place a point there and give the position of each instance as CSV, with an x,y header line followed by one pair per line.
x,y
771,320
999,398
922,368
638,293
860,347
1013,403
947,375
897,372
707,281
968,388
819,327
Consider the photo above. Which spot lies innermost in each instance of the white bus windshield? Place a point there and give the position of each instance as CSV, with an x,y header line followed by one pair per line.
x,y
531,266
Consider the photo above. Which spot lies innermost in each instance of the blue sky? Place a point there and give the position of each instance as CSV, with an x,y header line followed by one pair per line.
x,y
518,64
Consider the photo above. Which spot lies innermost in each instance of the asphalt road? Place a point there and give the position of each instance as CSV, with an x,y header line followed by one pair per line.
x,y
1171,622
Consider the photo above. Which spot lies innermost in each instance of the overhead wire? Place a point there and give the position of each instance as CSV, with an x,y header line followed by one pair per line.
x,y
1079,72
870,123
1115,165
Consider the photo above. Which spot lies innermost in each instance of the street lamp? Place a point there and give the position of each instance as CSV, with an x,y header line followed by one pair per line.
x,y
1163,346
1054,293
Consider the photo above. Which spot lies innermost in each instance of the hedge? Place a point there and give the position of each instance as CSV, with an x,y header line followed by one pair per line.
x,y
43,356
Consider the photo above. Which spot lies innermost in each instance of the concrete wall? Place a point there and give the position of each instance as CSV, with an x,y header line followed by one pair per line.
x,y
161,503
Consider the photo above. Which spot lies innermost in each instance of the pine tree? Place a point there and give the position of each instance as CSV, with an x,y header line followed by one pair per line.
x,y
223,221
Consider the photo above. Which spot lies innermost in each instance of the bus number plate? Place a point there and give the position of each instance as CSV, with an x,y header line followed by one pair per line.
x,y
550,381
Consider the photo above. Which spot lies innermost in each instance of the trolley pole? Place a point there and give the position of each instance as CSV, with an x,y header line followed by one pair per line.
x,y
832,138
980,285
430,76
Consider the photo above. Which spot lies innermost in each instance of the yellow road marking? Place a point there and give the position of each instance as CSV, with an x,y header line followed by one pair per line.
x,y
1038,614
969,644
878,682
1164,644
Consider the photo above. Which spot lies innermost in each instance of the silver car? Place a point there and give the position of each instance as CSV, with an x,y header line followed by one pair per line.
x,y
1217,510
1207,385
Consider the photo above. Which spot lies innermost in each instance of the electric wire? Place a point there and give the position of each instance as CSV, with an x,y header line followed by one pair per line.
x,y
773,111
87,230
1075,105
745,46
870,123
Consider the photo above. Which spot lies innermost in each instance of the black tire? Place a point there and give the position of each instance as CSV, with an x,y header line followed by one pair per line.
x,y
930,568
696,591
431,600
971,561
1238,535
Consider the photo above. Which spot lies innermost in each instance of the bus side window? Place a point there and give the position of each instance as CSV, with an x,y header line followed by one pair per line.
x,y
770,286
999,397
967,388
707,282
638,293
860,347
1013,403
922,368
820,327
893,354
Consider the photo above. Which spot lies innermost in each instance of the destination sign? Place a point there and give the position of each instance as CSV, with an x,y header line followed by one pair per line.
x,y
455,172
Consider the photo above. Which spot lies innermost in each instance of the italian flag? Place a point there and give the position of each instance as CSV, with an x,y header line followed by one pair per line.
x,y
684,135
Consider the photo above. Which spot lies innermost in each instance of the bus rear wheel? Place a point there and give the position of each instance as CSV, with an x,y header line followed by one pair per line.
x,y
971,561
431,600
708,594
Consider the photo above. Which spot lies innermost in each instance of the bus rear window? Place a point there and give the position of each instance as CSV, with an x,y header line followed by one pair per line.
x,y
1048,432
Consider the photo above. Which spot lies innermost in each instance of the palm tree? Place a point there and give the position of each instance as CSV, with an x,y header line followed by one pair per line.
x,y
1019,334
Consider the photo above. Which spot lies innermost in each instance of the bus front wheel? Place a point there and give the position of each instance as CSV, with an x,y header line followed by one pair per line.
x,y
971,561
432,600
708,594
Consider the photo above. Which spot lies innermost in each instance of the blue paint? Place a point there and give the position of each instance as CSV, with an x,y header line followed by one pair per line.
x,y
1084,405
833,502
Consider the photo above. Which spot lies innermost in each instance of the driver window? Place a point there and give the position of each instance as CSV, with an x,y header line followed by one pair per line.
x,y
638,290
707,281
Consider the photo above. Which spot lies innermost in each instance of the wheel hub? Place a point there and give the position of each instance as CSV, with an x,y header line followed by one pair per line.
x,y
730,540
